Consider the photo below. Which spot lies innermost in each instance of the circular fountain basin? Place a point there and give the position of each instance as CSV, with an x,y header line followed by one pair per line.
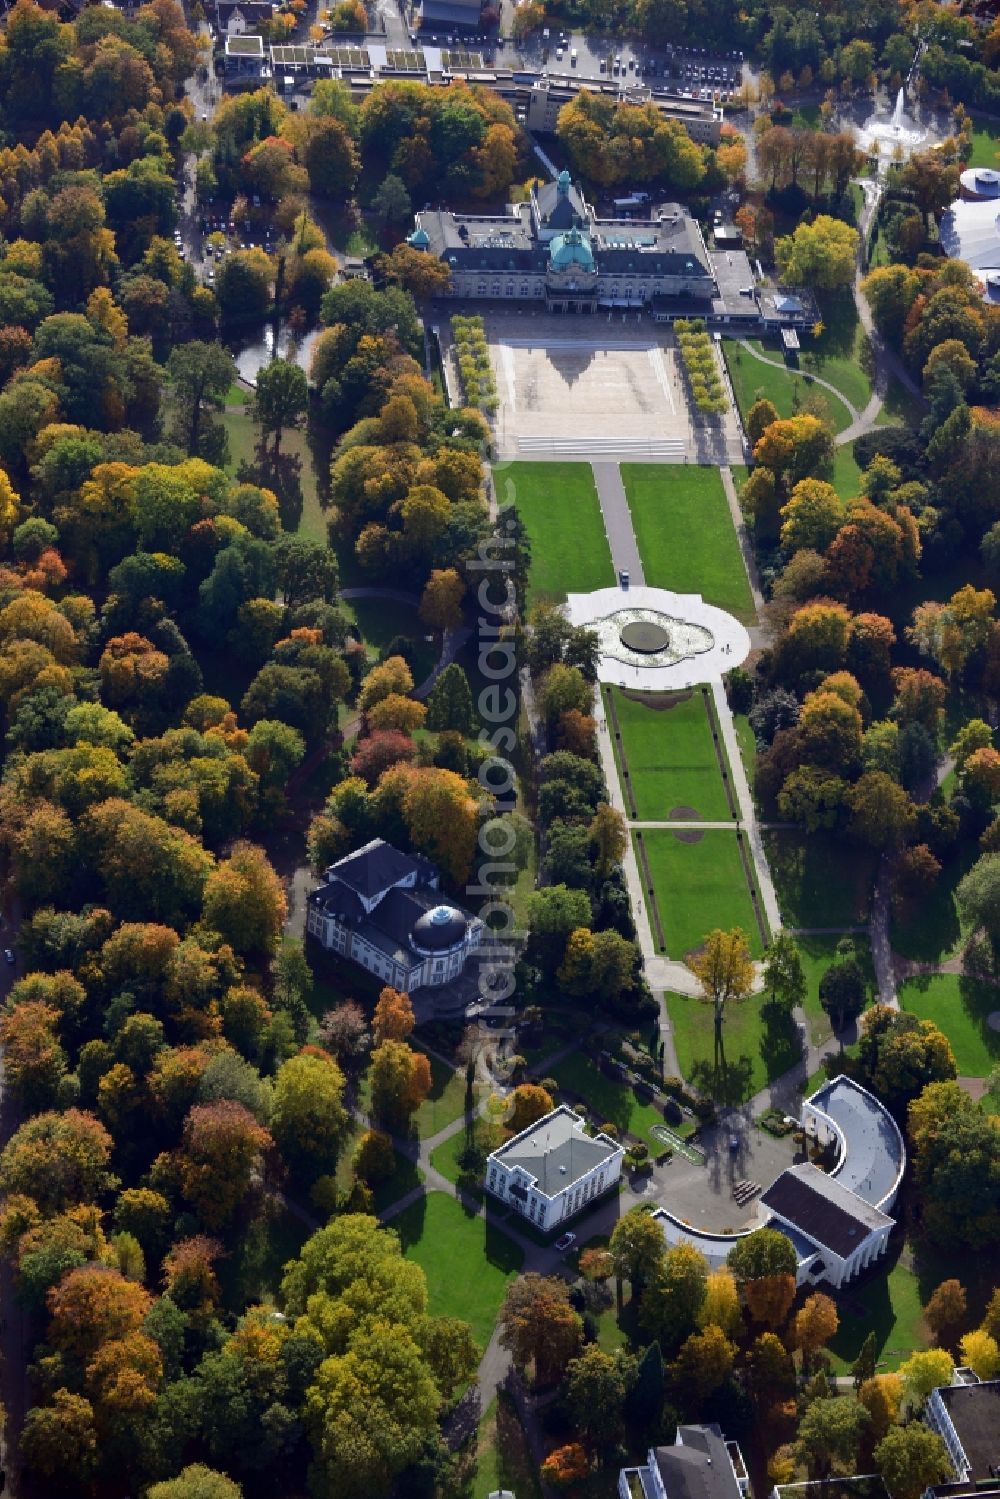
x,y
645,637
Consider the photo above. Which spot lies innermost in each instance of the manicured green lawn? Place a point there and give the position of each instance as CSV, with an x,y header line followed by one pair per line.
x,y
889,1306
846,476
699,886
685,533
932,929
960,1007
672,763
759,1045
747,743
820,882
985,143
609,1101
467,1261
837,354
445,1102
784,387
559,506
311,521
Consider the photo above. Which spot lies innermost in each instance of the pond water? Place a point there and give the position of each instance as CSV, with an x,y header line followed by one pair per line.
x,y
255,350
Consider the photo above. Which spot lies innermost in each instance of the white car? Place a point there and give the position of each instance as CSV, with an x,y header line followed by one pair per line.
x,y
566,1242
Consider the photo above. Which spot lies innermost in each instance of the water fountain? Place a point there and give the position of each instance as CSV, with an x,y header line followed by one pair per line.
x,y
894,138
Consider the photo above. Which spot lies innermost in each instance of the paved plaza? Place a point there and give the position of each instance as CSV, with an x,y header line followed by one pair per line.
x,y
596,387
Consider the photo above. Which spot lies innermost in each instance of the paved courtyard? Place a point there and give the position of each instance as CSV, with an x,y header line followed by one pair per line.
x,y
590,387
703,1195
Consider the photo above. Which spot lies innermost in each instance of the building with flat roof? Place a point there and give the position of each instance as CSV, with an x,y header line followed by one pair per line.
x,y
871,1156
701,1464
838,1220
245,57
967,1418
970,231
553,1169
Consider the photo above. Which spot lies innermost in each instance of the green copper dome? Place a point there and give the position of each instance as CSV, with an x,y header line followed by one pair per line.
x,y
569,250
564,182
419,239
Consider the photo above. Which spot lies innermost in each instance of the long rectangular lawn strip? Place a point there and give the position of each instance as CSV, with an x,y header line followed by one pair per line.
x,y
559,506
699,885
685,533
671,759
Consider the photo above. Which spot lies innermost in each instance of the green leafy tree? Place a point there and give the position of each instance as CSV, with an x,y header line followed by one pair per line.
x,y
200,376
911,1459
784,979
280,399
308,1119
830,1434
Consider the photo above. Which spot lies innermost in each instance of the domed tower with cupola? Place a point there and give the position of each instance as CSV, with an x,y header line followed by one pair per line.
x,y
571,273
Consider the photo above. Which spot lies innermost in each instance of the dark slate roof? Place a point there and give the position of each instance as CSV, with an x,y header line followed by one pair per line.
x,y
698,1466
823,1210
459,12
975,1414
560,210
376,867
555,1152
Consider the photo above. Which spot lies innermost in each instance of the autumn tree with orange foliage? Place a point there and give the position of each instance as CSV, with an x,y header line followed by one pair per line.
x,y
93,1305
566,1466
393,1019
528,1103
222,1149
400,1081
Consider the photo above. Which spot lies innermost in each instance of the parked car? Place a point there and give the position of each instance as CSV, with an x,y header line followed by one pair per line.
x,y
9,958
566,1242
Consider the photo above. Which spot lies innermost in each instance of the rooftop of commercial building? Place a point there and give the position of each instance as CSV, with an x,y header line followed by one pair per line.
x,y
974,1410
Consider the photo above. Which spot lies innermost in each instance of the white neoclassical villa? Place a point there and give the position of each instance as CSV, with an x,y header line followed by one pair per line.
x,y
839,1220
383,909
553,1169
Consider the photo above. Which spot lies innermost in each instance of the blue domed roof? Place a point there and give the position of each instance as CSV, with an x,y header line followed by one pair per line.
x,y
569,250
438,929
419,239
564,181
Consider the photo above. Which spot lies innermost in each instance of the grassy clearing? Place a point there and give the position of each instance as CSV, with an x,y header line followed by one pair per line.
x,y
846,475
699,886
787,388
985,143
816,954
899,406
609,1101
467,1261
931,930
381,620
747,743
759,1045
444,1103
889,1306
311,522
960,1007
685,533
819,882
559,505
503,1460
671,759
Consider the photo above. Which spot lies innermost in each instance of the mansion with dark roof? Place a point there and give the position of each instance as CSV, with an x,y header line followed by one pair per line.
x,y
554,253
383,910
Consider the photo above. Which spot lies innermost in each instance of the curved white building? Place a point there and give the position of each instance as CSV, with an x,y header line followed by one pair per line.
x,y
837,1221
